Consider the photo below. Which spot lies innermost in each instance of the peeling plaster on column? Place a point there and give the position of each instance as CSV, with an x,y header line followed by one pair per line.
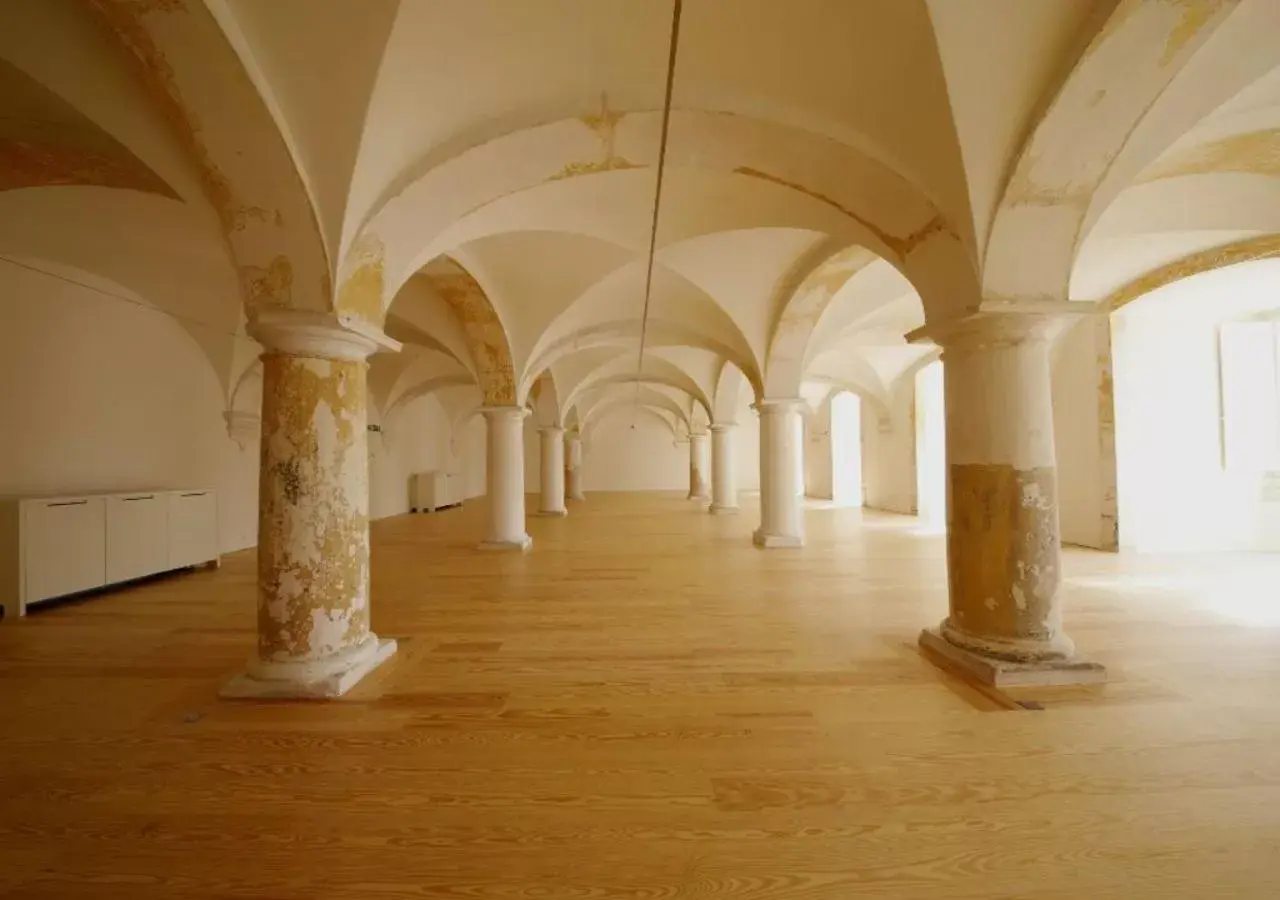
x,y
1003,533
314,550
1002,548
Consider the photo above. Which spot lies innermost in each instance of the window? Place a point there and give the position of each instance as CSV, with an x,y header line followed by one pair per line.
x,y
1248,354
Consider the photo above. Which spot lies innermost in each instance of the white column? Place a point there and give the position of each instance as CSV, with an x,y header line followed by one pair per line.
x,y
699,484
505,468
781,509
314,636
1003,550
553,472
573,467
724,486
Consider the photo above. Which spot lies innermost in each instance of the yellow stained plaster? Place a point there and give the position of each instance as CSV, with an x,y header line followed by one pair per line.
x,y
486,338
268,287
1003,552
26,163
361,292
902,246
313,561
1254,153
1266,247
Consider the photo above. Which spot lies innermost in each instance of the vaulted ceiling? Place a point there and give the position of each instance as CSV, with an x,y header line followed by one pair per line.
x,y
477,176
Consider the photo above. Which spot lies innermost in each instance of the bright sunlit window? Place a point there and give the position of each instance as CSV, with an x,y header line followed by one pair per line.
x,y
1250,372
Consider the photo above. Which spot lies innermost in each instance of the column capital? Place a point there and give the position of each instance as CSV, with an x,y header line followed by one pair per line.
x,y
777,405
323,335
503,412
722,426
551,430
999,322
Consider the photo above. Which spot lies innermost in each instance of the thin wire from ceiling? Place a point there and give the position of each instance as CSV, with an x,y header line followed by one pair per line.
x,y
657,191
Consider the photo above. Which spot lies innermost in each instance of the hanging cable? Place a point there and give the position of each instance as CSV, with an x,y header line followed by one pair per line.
x,y
657,193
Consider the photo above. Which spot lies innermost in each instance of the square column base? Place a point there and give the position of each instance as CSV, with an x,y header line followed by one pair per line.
x,y
1002,673
722,510
553,512
523,543
774,541
249,687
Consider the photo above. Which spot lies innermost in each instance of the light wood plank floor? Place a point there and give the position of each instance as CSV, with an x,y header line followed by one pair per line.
x,y
648,707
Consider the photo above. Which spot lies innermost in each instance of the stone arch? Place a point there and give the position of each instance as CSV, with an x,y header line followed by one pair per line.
x,y
1233,254
660,333
607,410
728,393
1063,177
429,386
248,174
486,337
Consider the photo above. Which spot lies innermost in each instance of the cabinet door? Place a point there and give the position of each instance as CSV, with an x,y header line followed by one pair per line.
x,y
64,546
193,528
137,536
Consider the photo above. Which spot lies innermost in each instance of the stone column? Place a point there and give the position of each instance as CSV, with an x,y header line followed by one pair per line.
x,y
724,485
1003,551
314,638
505,468
573,467
699,485
781,509
553,472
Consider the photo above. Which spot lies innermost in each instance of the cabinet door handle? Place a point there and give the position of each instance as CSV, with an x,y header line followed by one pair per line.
x,y
196,494
67,503
141,497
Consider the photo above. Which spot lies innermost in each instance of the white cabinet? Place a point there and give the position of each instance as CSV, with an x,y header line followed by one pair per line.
x,y
55,546
193,528
137,536
434,490
63,546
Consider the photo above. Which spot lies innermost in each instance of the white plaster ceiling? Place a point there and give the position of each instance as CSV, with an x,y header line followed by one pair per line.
x,y
838,174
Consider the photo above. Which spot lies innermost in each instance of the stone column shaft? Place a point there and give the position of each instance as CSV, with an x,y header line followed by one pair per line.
x,y
699,483
505,468
1004,568
781,507
724,485
314,638
553,472
573,467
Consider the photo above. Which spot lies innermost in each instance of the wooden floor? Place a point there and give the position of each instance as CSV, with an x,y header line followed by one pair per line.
x,y
648,707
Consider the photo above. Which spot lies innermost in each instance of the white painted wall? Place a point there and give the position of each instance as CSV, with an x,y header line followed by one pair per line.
x,y
1082,504
889,452
746,446
817,452
641,459
414,440
101,393
1174,492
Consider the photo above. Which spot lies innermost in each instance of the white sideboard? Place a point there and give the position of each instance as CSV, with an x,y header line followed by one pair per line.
x,y
434,490
54,546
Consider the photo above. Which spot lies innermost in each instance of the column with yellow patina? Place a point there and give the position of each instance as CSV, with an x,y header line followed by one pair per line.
x,y
573,466
314,635
1004,567
699,483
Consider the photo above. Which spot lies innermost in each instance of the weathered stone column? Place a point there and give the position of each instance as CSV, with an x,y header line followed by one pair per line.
x,y
553,472
505,468
1003,550
724,485
699,484
573,466
781,509
314,638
